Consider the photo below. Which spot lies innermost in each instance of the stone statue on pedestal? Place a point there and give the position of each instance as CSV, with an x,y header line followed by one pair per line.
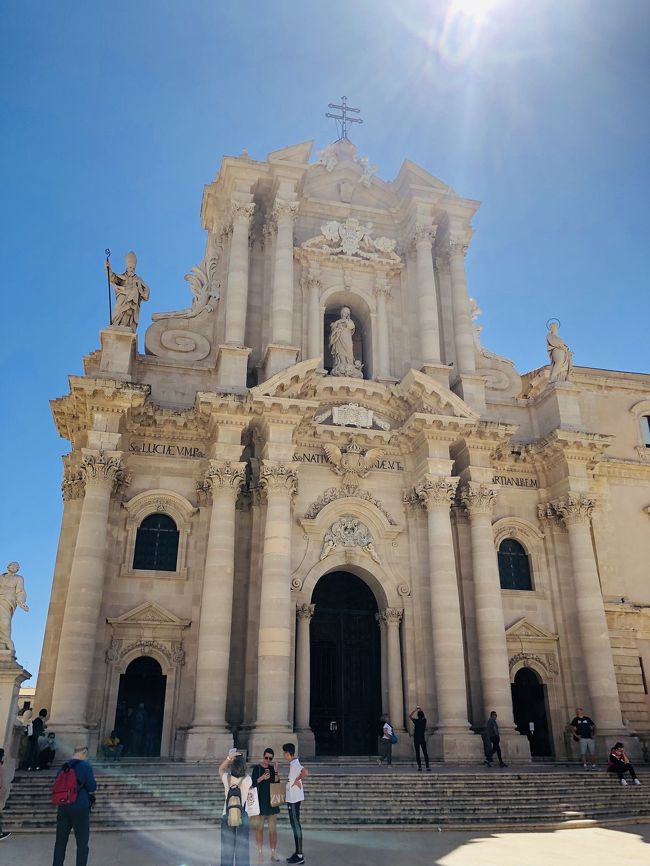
x,y
560,356
130,291
12,595
342,331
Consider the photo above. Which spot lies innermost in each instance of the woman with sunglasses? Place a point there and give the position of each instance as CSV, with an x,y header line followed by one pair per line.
x,y
263,775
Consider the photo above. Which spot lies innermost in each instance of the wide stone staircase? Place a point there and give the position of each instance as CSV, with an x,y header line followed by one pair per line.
x,y
350,795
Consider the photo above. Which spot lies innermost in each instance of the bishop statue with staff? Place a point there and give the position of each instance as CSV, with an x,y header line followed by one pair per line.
x,y
130,291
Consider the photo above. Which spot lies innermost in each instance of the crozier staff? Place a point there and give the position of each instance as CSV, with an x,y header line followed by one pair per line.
x,y
130,291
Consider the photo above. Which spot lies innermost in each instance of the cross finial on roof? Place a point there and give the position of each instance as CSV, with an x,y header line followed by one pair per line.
x,y
343,118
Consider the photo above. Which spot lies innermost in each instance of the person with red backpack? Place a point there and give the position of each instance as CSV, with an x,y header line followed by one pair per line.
x,y
72,793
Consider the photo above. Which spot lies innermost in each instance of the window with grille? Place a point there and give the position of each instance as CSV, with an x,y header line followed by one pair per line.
x,y
156,544
514,566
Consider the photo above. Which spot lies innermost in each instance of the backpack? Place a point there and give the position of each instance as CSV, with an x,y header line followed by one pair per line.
x,y
234,807
65,787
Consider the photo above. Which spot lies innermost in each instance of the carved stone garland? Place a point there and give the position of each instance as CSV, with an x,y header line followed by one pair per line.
x,y
349,531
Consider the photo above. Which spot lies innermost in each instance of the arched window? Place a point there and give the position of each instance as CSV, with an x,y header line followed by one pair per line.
x,y
645,430
156,544
514,567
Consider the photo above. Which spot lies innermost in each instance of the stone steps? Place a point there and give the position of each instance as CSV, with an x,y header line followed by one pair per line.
x,y
132,800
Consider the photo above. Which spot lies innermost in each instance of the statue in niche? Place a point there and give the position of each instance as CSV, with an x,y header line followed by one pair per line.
x,y
560,356
130,291
12,595
342,331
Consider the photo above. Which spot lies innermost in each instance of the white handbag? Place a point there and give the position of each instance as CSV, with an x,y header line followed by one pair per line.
x,y
252,803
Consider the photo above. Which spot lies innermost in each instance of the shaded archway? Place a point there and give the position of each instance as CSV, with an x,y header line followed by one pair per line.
x,y
529,705
345,666
140,707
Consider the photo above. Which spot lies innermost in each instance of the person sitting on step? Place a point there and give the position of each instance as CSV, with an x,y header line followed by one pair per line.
x,y
619,763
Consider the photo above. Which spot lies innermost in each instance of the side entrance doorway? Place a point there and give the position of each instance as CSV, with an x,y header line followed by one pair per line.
x,y
529,705
345,666
140,708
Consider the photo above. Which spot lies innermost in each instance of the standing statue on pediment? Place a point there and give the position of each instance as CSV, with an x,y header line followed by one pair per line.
x,y
12,595
130,291
560,356
342,331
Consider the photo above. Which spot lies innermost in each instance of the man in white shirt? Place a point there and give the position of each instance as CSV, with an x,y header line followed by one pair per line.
x,y
294,797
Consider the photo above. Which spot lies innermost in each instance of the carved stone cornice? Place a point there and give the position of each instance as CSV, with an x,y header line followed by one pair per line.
x,y
100,469
436,493
224,475
478,498
305,612
391,616
278,478
575,508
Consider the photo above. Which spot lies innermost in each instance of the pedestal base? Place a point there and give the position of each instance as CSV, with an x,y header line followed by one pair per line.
x,y
459,746
232,366
12,675
439,372
306,743
118,352
70,735
606,739
278,358
515,748
261,738
558,406
207,743
471,389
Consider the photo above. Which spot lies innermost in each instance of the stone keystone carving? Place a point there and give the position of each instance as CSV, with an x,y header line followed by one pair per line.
x,y
12,595
351,238
130,290
349,531
352,463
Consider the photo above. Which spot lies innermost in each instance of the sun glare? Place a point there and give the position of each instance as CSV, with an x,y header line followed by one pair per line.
x,y
477,10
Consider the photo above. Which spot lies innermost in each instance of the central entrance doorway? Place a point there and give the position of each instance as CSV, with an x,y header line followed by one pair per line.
x,y
529,703
345,666
140,707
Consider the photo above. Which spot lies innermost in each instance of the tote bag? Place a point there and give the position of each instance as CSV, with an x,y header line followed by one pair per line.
x,y
252,803
278,794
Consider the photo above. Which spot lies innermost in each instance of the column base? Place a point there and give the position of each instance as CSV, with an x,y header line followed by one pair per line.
x,y
515,747
606,738
456,746
262,737
207,743
277,358
306,742
232,366
471,389
118,352
70,735
439,372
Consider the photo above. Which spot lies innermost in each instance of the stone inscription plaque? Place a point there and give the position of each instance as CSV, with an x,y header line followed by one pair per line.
x,y
508,481
165,449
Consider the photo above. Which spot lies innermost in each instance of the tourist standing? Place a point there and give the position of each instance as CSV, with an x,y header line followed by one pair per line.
x,y
38,729
584,729
4,790
419,726
234,818
619,763
386,742
76,816
263,776
494,739
294,797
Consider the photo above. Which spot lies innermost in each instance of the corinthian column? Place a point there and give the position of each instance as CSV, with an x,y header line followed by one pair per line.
x,y
427,294
303,671
209,735
382,362
284,216
463,335
76,655
237,296
479,501
279,482
576,511
392,618
314,328
436,494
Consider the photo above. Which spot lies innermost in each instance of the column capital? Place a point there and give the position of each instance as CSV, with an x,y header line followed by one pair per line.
x,y
242,212
382,287
72,485
305,612
97,468
457,246
222,475
278,478
575,508
311,282
391,616
424,233
284,210
436,493
478,498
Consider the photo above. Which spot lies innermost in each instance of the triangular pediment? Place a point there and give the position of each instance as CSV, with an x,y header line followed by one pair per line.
x,y
523,628
297,153
422,393
411,174
298,381
149,613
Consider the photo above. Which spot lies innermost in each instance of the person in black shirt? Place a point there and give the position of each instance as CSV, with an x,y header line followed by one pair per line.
x,y
38,729
419,727
584,729
263,775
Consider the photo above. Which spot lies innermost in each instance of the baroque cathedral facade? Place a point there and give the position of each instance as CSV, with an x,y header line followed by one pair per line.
x,y
316,498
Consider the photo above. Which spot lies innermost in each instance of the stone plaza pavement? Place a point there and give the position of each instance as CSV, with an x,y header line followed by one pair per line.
x,y
596,846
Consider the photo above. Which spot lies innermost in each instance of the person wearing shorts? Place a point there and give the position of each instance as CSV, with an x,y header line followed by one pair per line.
x,y
584,729
263,775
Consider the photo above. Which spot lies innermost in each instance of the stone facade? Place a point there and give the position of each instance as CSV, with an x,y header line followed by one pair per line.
x,y
398,451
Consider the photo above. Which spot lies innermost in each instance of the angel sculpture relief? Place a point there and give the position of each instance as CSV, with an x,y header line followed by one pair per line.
x,y
352,463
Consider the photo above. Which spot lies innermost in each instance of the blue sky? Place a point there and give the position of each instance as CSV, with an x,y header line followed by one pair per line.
x,y
115,115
